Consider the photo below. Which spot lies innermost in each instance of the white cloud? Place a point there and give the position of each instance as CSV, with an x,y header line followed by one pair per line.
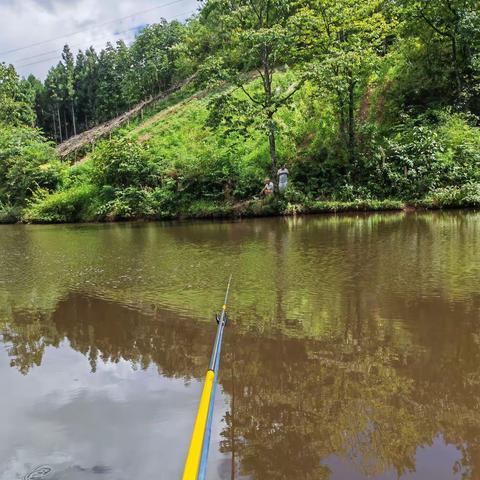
x,y
27,22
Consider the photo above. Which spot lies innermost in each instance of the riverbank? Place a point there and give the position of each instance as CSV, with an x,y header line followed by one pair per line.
x,y
172,166
251,209
232,210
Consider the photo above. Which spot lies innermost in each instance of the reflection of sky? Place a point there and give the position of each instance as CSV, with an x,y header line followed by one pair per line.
x,y
118,423
432,462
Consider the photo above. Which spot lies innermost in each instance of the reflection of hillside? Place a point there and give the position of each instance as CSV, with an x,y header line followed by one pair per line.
x,y
303,269
366,390
107,331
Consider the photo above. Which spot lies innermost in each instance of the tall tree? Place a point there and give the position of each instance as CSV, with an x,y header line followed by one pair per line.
x,y
55,88
86,77
112,64
69,71
259,39
346,41
454,25
16,101
153,58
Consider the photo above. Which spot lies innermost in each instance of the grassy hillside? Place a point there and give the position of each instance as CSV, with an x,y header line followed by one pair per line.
x,y
200,171
172,164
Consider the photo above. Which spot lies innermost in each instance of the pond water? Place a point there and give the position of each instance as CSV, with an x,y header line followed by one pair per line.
x,y
352,352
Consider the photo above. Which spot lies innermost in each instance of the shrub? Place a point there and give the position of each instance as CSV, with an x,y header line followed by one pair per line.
x,y
165,200
207,209
294,195
27,163
131,202
414,168
69,205
467,195
359,205
123,163
351,193
10,213
461,139
431,152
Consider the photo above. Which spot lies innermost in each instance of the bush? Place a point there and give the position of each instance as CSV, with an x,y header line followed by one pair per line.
x,y
351,193
206,209
430,153
10,213
467,195
415,167
461,139
165,200
129,181
27,163
132,202
122,163
359,205
70,205
294,195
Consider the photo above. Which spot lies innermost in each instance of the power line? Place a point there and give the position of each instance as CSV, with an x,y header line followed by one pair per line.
x,y
71,46
87,29
103,37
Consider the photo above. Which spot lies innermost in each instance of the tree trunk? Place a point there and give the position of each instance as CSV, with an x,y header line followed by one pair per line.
x,y
351,122
267,87
343,122
73,119
59,124
54,127
458,77
273,150
65,123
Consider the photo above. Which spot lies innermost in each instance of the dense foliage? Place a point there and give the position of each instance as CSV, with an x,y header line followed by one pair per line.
x,y
364,101
28,164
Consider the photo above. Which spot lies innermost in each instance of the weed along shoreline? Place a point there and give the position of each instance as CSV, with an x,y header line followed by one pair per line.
x,y
259,209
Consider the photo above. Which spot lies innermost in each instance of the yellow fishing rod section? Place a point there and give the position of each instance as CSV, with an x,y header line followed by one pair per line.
x,y
195,464
196,444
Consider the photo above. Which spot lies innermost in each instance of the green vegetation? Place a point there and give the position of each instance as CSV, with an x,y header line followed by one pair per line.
x,y
28,164
371,105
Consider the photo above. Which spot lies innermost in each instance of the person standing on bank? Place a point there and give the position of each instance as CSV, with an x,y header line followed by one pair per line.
x,y
282,179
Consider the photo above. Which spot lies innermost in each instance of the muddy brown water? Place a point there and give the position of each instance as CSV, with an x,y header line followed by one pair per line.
x,y
353,350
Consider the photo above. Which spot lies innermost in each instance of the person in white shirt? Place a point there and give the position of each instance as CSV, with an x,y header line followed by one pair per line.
x,y
268,188
282,178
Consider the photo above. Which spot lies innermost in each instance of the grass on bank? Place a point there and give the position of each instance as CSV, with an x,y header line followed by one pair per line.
x,y
80,204
71,206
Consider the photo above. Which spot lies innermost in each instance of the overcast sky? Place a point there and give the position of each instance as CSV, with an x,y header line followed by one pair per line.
x,y
27,22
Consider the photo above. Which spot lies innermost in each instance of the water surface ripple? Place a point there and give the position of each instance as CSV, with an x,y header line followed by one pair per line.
x,y
353,351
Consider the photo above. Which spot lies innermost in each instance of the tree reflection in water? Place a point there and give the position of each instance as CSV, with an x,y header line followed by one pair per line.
x,y
362,394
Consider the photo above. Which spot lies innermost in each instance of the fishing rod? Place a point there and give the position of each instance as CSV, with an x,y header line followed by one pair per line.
x,y
196,463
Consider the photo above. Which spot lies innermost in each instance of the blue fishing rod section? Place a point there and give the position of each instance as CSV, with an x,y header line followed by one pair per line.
x,y
196,462
208,430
